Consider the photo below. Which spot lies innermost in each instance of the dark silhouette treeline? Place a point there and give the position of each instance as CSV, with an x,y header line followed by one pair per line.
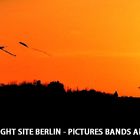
x,y
55,88
52,101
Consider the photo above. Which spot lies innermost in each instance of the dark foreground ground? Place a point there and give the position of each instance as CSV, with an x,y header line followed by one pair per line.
x,y
38,104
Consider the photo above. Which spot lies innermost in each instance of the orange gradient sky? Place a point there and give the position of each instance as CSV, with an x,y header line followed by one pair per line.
x,y
93,43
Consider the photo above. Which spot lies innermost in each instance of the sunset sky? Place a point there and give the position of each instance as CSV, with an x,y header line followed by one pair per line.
x,y
93,43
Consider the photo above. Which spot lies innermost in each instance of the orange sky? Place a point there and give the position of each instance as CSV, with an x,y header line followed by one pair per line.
x,y
93,44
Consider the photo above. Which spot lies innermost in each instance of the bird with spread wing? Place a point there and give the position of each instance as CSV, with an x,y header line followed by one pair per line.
x,y
25,45
3,49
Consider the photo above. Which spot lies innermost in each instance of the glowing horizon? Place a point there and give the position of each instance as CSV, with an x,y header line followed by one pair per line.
x,y
94,44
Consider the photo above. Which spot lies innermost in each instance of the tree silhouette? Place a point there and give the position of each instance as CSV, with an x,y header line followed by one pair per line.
x,y
116,94
33,99
56,88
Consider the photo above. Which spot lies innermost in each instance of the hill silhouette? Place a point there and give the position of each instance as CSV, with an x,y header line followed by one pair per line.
x,y
31,101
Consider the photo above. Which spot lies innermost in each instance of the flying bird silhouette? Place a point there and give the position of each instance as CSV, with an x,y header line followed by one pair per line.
x,y
40,51
25,45
2,48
